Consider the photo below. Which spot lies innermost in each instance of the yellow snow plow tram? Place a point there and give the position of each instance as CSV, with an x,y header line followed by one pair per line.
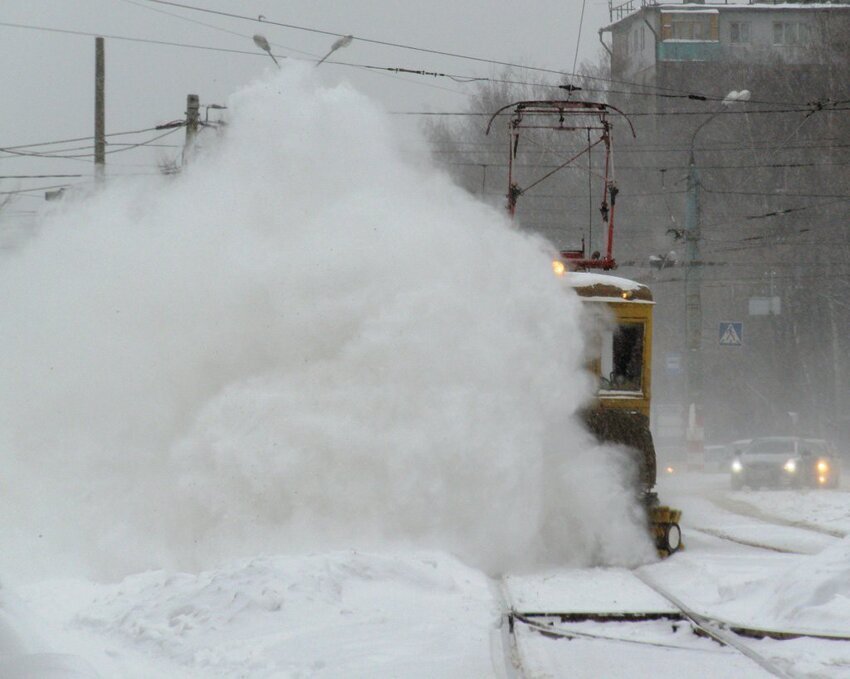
x,y
621,357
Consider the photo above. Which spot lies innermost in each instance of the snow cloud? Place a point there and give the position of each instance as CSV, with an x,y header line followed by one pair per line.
x,y
309,340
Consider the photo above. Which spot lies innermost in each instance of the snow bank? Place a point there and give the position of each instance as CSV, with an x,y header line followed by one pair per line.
x,y
812,595
344,614
307,341
825,509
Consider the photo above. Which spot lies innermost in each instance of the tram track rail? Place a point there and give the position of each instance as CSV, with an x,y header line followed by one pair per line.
x,y
722,535
726,634
713,630
742,508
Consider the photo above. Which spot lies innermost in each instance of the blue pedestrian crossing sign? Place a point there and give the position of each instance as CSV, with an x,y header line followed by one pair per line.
x,y
731,333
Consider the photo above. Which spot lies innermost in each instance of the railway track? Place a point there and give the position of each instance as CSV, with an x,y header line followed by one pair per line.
x,y
746,509
819,536
665,626
675,616
722,535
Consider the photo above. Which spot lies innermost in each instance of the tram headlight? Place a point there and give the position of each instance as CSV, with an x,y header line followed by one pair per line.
x,y
790,466
823,467
558,267
737,467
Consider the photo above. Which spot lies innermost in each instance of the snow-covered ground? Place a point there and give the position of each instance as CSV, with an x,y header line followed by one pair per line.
x,y
826,509
418,614
319,615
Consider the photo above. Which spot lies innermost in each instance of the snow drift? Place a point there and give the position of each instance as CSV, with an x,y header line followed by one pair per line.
x,y
309,340
811,595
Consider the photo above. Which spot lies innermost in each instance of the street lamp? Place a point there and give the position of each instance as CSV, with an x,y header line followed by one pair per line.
x,y
693,290
344,41
261,42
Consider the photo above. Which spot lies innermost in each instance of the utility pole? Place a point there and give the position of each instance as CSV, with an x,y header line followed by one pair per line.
x,y
693,325
693,294
99,106
193,123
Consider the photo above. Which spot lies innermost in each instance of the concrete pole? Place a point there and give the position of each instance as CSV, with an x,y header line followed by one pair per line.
x,y
193,123
99,108
693,326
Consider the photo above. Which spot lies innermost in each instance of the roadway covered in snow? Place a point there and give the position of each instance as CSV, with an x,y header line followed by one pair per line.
x,y
423,614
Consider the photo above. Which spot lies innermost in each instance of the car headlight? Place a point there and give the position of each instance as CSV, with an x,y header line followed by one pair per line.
x,y
790,466
737,467
823,467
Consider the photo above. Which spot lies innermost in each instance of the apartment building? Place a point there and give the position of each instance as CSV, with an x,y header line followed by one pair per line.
x,y
671,45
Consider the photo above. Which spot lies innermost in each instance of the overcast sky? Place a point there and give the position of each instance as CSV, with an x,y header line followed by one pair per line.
x,y
47,77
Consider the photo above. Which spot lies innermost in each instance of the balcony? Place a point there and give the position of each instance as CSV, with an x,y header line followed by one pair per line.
x,y
689,50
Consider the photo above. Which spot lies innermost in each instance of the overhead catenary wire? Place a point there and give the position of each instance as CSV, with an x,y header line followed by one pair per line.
x,y
311,56
385,43
651,169
252,53
731,192
211,26
40,176
631,114
692,96
76,139
34,189
724,147
264,20
730,280
578,34
663,92
82,156
127,38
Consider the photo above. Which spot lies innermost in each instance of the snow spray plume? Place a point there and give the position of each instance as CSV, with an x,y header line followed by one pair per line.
x,y
309,340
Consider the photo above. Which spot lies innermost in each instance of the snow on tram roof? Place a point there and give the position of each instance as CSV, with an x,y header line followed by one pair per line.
x,y
603,286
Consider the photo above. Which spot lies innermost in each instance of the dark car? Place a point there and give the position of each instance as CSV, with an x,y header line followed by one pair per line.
x,y
786,462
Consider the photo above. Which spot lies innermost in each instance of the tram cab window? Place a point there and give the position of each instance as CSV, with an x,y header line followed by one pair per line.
x,y
621,362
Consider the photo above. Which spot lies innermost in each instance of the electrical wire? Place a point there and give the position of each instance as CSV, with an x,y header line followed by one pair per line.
x,y
726,280
720,146
663,92
775,193
651,169
151,41
212,26
253,53
263,20
75,139
816,104
578,36
33,189
40,176
79,156
630,114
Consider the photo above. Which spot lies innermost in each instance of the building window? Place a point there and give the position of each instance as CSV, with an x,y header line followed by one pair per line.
x,y
791,33
739,32
691,28
642,38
